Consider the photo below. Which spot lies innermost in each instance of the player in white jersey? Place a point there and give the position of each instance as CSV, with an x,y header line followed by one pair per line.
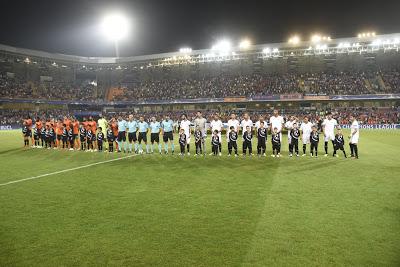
x,y
276,121
246,122
354,136
232,122
185,125
216,125
328,127
289,126
201,122
305,128
258,123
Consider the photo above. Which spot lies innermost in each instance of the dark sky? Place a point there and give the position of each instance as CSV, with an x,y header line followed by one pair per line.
x,y
70,26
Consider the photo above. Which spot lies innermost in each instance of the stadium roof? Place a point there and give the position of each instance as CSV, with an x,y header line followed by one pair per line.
x,y
358,44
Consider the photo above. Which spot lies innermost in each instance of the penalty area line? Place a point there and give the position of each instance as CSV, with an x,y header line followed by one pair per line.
x,y
66,170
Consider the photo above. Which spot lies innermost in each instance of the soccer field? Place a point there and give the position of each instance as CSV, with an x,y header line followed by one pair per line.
x,y
213,211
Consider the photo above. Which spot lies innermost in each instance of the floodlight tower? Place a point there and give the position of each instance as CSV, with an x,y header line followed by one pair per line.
x,y
115,27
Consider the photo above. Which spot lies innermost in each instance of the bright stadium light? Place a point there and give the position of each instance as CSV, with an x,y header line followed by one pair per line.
x,y
222,47
245,44
115,27
294,40
316,38
185,50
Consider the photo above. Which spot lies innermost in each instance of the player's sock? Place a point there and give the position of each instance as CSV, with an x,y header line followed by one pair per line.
x,y
344,152
119,145
326,147
125,146
351,150
159,148
188,148
140,147
355,150
147,148
166,147
304,149
130,147
172,147
152,148
220,147
136,147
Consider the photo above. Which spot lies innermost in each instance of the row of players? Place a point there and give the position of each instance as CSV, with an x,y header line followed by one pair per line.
x,y
88,136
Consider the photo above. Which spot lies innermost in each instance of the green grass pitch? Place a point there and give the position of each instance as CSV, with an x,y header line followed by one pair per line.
x,y
153,210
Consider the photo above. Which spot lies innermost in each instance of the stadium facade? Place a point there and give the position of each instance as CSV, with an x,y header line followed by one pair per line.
x,y
108,75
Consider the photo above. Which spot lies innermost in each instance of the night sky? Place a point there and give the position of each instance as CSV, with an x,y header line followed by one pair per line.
x,y
71,26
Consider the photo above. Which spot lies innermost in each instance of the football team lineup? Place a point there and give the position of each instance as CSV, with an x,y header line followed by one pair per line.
x,y
128,135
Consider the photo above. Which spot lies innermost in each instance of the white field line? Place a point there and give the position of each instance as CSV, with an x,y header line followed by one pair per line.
x,y
66,170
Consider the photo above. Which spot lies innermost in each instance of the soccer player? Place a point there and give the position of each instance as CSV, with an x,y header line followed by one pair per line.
x,y
132,129
100,138
294,140
71,138
89,139
276,121
198,139
328,127
43,136
258,123
232,122
354,136
246,122
339,143
102,122
216,125
182,141
232,143
114,127
201,123
276,142
314,140
215,143
143,128
185,125
25,135
82,136
64,136
28,124
75,133
247,136
59,133
261,139
155,127
52,134
39,127
305,129
122,127
110,139
93,127
167,126
289,127
47,136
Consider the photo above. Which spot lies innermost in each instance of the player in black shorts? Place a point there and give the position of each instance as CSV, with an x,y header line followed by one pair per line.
x,y
198,140
261,139
43,136
82,137
64,136
294,140
215,143
182,141
89,140
339,143
232,143
36,136
276,143
314,140
25,135
247,145
110,139
71,138
100,139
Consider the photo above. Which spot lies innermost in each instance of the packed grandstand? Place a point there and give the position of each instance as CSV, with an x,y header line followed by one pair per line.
x,y
343,75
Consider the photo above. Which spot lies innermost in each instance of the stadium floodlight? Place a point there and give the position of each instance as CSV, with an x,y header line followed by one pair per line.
x,y
223,46
115,27
185,50
266,50
316,38
294,40
245,44
366,34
